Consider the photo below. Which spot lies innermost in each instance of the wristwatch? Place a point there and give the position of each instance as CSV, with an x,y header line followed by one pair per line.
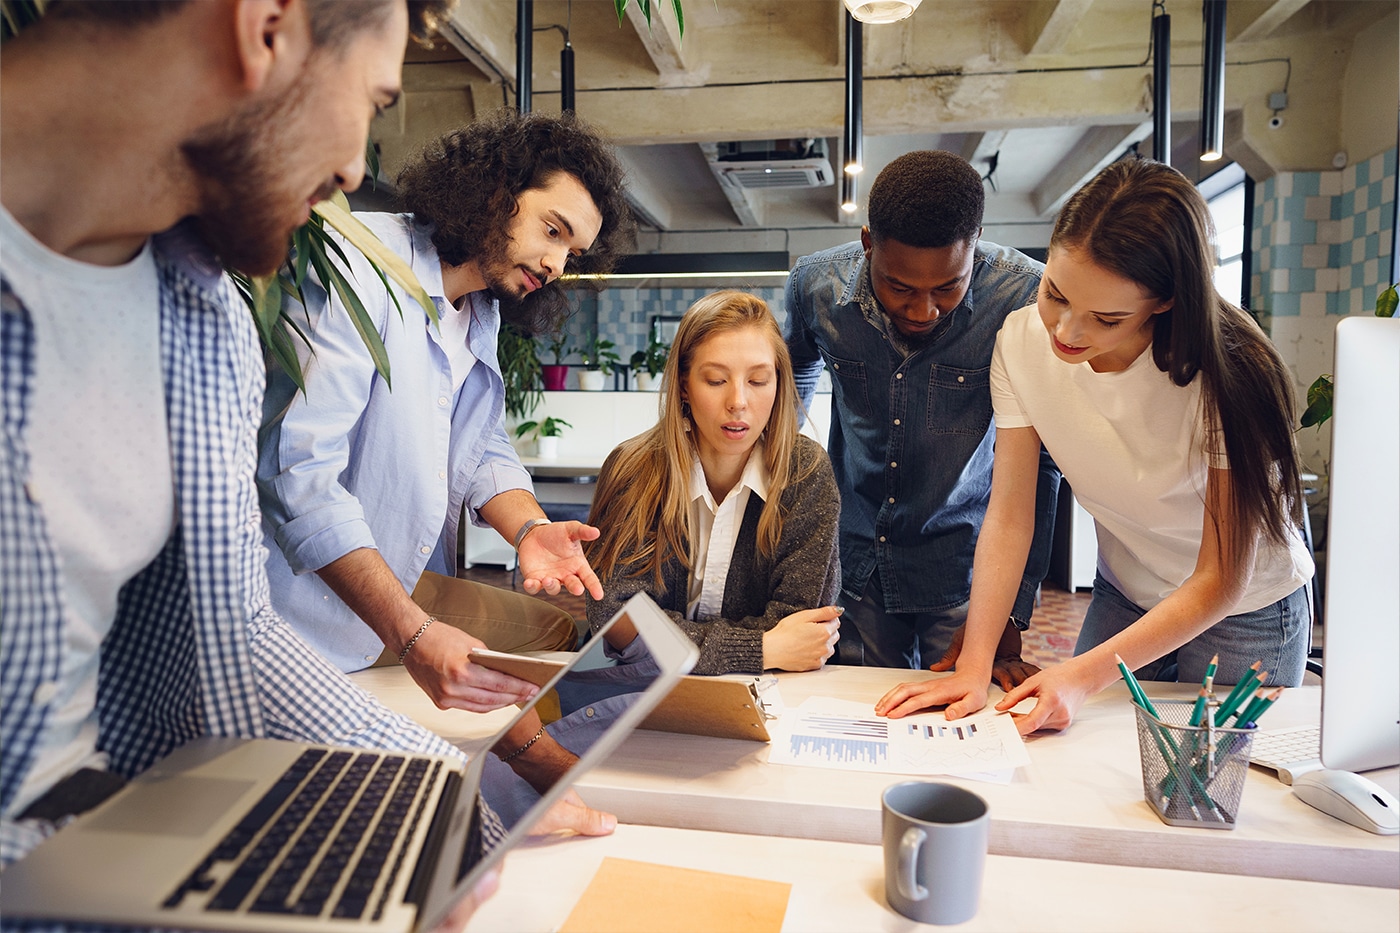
x,y
1021,624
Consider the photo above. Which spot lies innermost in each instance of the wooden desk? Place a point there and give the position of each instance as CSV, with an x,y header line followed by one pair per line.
x,y
1080,799
839,887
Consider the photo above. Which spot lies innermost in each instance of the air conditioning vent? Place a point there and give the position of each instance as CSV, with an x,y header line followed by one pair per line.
x,y
810,173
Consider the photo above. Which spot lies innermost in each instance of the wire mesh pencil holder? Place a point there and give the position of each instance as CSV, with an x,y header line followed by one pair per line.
x,y
1192,775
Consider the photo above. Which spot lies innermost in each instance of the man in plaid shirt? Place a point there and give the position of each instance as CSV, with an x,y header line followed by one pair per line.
x,y
143,144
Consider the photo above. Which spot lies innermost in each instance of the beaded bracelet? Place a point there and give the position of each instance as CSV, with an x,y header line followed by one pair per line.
x,y
524,748
416,635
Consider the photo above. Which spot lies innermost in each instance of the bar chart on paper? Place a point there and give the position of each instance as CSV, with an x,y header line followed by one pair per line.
x,y
828,733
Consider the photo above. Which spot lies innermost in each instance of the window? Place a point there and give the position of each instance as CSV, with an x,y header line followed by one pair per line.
x,y
1224,192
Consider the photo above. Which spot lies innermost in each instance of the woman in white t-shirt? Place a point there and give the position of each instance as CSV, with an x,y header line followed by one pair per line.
x,y
723,513
1170,414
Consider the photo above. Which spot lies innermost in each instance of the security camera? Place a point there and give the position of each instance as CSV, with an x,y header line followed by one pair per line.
x,y
1275,122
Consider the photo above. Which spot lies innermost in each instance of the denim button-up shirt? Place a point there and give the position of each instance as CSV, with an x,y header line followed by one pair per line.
x,y
351,464
911,435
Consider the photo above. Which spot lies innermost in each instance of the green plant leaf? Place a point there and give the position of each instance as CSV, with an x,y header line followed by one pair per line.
x,y
333,277
1319,402
525,427
363,239
1386,302
372,163
680,17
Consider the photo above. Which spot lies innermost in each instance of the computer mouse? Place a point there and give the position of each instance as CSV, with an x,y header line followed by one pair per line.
x,y
1351,798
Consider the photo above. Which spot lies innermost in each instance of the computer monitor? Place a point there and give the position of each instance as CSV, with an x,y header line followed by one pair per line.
x,y
1361,639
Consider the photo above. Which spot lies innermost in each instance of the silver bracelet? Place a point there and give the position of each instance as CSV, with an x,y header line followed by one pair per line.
x,y
416,635
524,748
528,527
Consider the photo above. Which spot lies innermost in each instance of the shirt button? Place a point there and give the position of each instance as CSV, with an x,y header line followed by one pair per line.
x,y
894,463
896,422
442,474
835,365
442,400
369,657
425,550
961,379
45,692
882,539
590,713
32,492
891,500
899,375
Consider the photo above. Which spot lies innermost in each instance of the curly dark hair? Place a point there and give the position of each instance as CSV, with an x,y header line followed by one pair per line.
x,y
332,22
928,198
466,185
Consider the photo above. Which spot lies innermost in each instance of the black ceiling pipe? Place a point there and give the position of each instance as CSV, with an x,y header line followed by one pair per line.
x,y
1162,88
524,57
1213,81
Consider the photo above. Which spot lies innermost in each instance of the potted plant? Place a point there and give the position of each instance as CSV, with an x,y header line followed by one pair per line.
x,y
556,374
599,360
648,364
520,370
546,434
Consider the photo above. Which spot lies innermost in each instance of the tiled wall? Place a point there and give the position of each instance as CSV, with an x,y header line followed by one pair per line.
x,y
623,315
1322,246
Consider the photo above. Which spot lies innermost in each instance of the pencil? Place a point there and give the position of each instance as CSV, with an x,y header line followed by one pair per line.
x,y
1200,707
1264,704
1135,688
1208,683
1240,693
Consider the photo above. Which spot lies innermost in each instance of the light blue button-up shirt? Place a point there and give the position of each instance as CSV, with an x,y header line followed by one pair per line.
x,y
353,464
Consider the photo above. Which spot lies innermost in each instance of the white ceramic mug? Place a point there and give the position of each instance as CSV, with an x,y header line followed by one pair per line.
x,y
935,841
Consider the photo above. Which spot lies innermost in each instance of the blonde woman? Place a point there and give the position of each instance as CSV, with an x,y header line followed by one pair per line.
x,y
722,512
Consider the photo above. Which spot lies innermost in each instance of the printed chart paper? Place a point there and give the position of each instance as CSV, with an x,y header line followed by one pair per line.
x,y
824,732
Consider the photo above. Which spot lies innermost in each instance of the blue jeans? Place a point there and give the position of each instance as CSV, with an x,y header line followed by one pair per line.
x,y
898,639
1277,635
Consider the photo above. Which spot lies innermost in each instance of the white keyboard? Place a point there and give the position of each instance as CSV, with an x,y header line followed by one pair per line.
x,y
1290,752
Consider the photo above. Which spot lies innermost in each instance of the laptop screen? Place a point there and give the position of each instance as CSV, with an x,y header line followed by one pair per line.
x,y
607,702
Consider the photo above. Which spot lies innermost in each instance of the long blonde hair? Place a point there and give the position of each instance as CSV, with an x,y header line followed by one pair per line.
x,y
641,505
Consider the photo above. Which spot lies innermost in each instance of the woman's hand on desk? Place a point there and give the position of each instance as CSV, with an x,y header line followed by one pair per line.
x,y
1059,692
551,558
803,640
964,693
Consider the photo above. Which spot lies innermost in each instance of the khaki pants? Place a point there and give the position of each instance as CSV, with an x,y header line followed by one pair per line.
x,y
504,620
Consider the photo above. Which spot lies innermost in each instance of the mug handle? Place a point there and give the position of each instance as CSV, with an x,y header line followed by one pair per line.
x,y
909,844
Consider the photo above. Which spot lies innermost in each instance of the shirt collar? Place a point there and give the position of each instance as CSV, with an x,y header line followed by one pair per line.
x,y
755,477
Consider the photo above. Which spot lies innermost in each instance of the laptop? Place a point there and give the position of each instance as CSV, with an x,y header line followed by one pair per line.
x,y
263,834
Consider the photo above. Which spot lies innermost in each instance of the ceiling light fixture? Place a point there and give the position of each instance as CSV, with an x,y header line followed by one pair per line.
x,y
852,137
1213,81
882,11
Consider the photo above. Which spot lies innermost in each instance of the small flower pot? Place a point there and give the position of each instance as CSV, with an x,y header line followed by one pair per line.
x,y
547,448
646,382
556,377
591,380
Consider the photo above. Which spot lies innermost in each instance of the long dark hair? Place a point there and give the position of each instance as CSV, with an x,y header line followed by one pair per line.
x,y
1146,222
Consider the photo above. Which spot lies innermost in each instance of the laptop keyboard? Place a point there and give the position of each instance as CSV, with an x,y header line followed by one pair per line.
x,y
1287,751
299,847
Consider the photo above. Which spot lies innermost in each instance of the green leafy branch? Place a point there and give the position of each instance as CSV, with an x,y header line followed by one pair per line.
x,y
646,7
1319,408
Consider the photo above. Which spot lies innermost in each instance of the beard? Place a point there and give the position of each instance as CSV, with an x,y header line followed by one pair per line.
x,y
246,214
500,274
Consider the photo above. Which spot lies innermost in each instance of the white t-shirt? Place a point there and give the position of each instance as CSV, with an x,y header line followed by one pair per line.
x,y
453,324
1132,445
715,531
100,461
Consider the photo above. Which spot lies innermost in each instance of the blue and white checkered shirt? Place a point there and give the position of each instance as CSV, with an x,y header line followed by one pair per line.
x,y
196,648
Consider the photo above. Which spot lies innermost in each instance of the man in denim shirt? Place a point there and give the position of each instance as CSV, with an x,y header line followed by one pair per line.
x,y
906,320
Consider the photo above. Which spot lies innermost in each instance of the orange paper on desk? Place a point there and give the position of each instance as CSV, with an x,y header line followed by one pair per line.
x,y
639,897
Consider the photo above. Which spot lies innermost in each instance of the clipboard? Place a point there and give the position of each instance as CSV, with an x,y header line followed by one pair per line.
x,y
719,707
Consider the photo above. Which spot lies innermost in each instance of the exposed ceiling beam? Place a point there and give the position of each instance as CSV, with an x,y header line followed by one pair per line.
x,y
662,41
979,147
1266,22
485,35
1100,146
1055,30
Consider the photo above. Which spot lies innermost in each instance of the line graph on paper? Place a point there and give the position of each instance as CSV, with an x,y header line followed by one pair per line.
x,y
824,732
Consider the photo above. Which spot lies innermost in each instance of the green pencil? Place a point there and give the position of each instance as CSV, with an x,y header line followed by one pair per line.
x,y
1256,709
1199,709
1247,709
1239,695
1135,688
1208,682
1235,691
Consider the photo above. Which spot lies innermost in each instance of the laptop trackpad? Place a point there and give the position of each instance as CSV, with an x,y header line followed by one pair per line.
x,y
181,806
